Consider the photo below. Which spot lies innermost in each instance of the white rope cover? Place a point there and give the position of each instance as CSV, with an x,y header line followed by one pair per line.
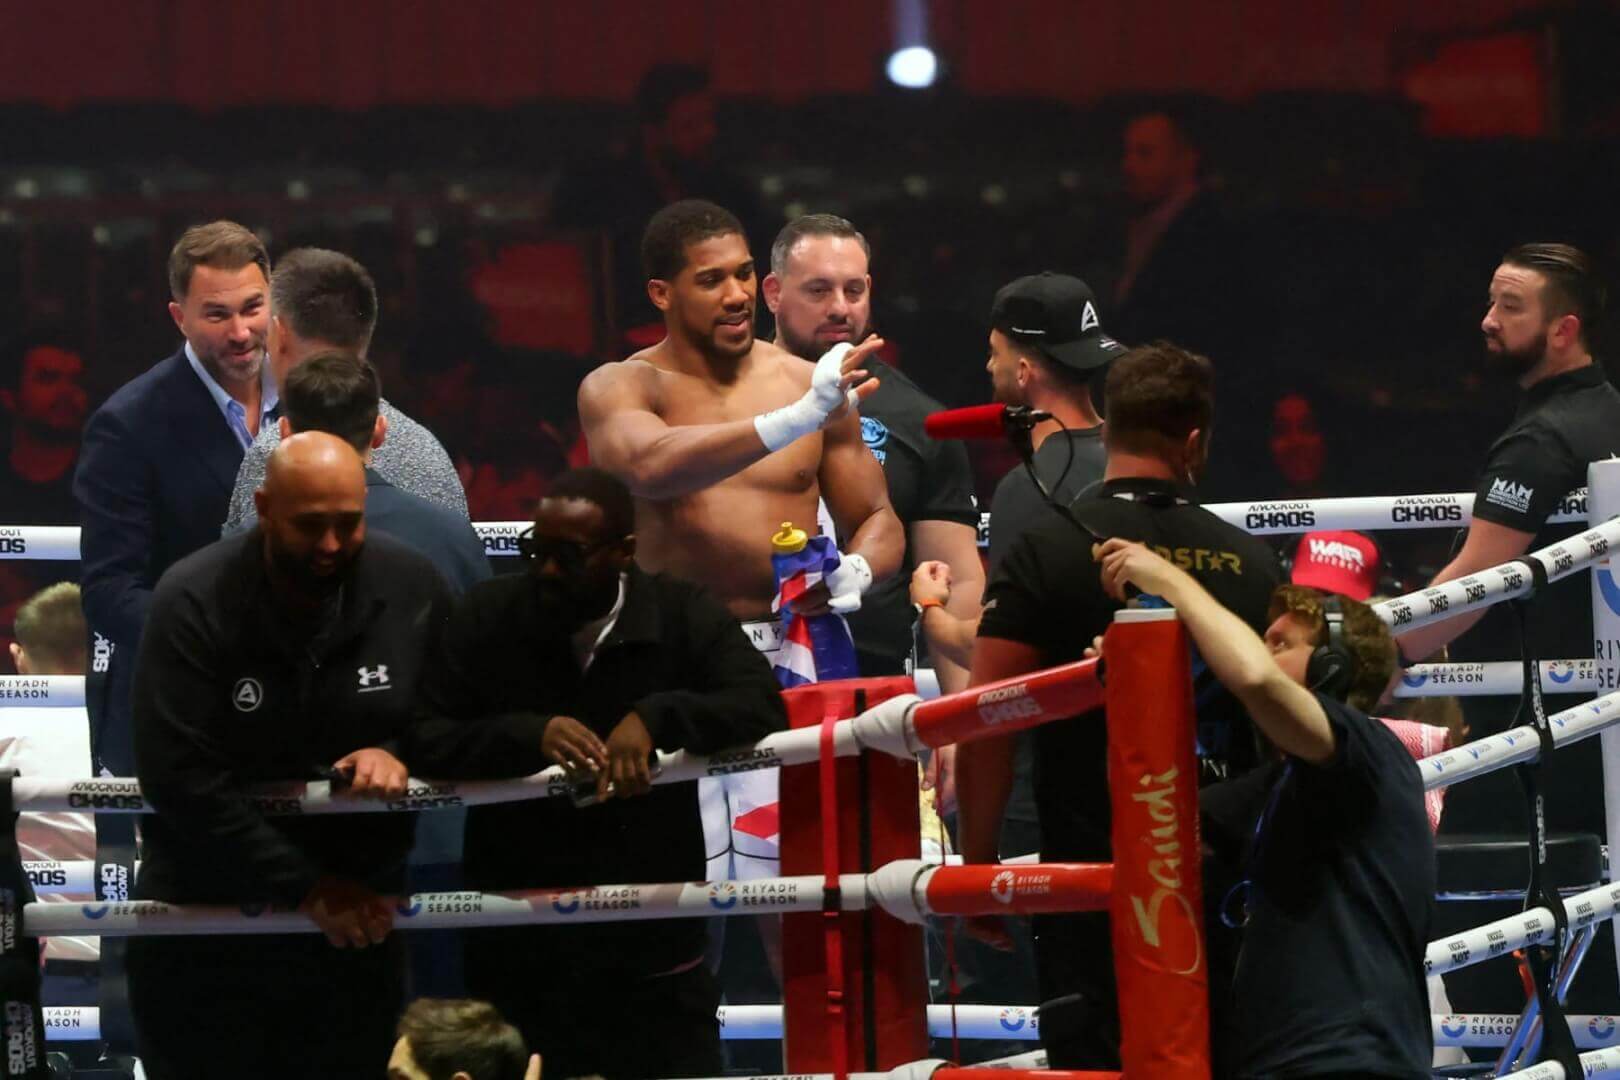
x,y
1364,514
1518,744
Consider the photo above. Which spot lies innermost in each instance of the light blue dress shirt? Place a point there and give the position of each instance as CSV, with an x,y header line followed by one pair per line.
x,y
233,411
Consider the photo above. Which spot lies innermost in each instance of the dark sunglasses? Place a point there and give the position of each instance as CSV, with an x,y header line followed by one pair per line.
x,y
569,554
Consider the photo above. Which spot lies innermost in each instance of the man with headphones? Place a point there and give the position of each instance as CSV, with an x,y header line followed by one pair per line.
x,y
1044,604
1337,856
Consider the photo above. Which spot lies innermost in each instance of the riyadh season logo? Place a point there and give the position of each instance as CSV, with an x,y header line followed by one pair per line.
x,y
1001,887
1013,1019
723,895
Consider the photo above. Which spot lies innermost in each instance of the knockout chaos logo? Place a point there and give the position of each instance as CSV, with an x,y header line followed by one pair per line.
x,y
428,797
500,538
738,761
1279,516
1427,509
22,1041
105,795
1006,703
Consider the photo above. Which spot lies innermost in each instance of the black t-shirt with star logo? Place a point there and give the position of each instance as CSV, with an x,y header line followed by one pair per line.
x,y
929,480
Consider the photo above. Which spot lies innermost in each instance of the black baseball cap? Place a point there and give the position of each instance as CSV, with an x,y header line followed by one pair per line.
x,y
1057,315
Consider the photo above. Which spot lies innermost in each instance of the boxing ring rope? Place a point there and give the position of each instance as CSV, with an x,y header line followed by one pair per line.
x,y
901,727
1154,822
59,543
902,730
1009,1023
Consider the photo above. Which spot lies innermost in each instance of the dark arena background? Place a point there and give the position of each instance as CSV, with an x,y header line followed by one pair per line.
x,y
1358,169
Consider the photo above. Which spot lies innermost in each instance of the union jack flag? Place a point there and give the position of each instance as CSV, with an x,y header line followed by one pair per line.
x,y
815,648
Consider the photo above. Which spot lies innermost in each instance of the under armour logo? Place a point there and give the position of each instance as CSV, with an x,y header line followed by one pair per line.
x,y
374,678
247,695
1088,318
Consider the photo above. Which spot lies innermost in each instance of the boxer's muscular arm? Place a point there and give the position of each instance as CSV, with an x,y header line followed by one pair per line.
x,y
657,460
853,487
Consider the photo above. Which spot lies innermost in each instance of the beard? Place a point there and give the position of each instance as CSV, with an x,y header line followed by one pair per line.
x,y
811,348
1514,363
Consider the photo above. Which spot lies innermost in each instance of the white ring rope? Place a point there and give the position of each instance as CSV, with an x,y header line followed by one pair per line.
x,y
457,910
60,543
1518,744
1015,1023
1373,513
1511,579
1594,1063
885,727
908,889
1530,927
1496,1029
1497,677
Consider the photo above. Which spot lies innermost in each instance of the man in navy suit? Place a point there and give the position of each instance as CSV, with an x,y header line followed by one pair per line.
x,y
160,456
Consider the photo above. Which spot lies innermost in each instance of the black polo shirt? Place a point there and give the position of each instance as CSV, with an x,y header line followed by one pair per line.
x,y
929,480
1563,424
1018,505
1330,978
1046,592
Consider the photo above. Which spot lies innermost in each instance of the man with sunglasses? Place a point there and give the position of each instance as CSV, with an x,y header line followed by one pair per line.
x,y
590,662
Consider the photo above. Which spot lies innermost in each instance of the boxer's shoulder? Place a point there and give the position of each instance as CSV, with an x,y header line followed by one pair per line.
x,y
621,382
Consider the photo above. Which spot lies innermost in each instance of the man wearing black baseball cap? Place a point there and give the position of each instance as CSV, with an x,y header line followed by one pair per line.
x,y
1047,348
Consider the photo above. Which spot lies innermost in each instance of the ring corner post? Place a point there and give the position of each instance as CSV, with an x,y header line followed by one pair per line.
x,y
1603,503
1160,950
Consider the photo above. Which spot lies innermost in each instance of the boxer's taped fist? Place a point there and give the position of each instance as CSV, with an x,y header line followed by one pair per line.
x,y
829,373
810,413
848,580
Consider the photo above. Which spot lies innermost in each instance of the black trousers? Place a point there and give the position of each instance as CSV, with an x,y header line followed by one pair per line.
x,y
1074,962
624,1029
223,1008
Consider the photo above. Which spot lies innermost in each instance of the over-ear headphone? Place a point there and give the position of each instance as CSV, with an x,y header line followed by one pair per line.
x,y
1332,667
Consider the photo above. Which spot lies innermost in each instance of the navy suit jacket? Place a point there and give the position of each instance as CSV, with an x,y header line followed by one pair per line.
x,y
153,481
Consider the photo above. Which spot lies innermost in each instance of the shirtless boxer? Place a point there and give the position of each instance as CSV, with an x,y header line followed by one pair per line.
x,y
721,438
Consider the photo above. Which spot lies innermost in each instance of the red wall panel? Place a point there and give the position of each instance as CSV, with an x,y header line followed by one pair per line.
x,y
356,53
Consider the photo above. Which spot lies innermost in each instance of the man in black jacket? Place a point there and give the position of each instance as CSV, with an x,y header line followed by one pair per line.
x,y
278,655
591,663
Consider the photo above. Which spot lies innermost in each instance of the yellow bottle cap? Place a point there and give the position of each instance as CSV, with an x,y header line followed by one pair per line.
x,y
789,541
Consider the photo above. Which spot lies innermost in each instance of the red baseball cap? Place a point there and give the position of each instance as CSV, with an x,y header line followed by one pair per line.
x,y
1346,563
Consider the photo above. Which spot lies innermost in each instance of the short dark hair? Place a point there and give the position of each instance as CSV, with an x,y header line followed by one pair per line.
x,y
1155,396
1574,284
665,84
447,1036
605,490
813,225
51,629
223,245
325,296
1366,636
335,392
676,227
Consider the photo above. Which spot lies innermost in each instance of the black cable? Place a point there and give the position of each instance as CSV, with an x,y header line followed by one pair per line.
x,y
1557,1043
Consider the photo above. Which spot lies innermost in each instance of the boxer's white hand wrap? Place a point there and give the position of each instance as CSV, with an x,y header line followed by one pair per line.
x,y
851,578
810,413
